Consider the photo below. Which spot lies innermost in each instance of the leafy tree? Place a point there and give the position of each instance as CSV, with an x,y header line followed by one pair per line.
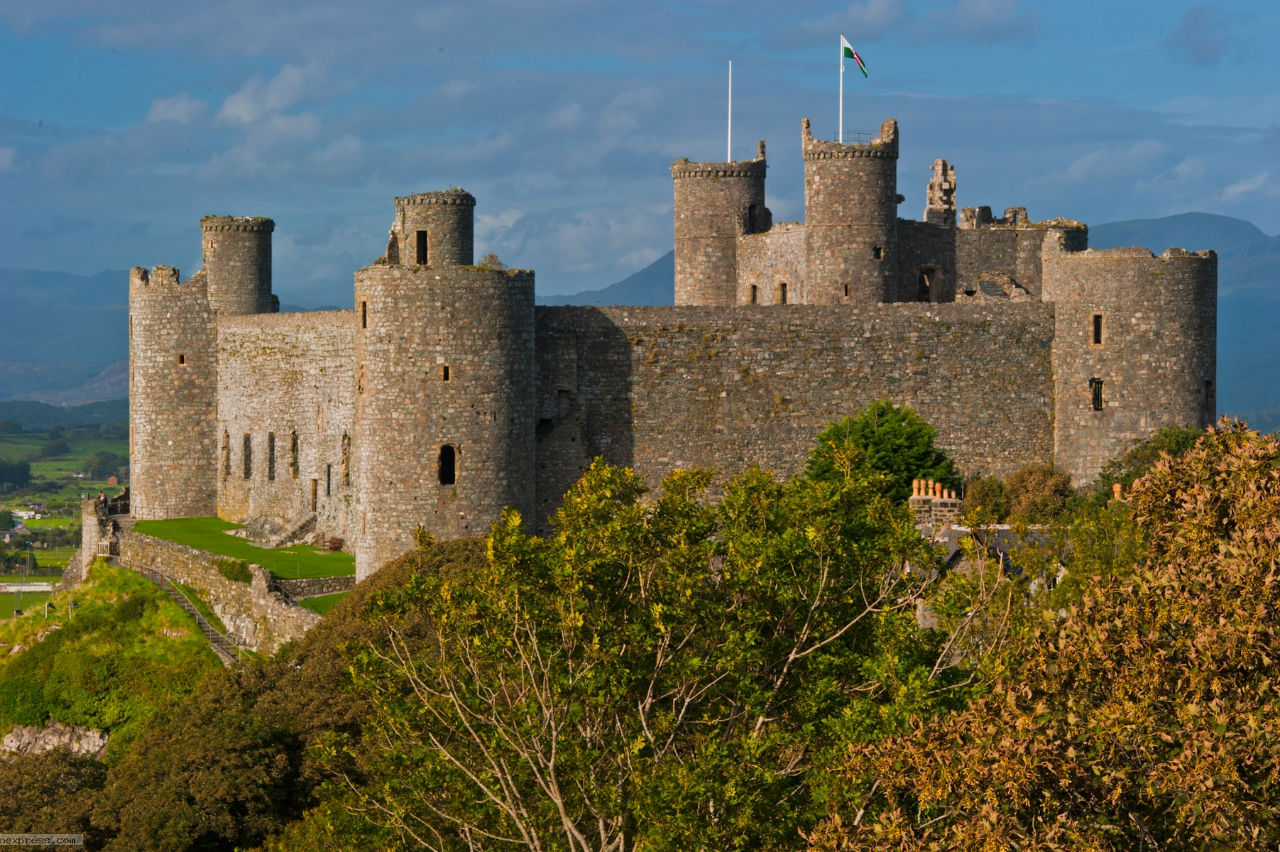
x,y
1141,455
1038,493
655,674
14,474
895,440
57,447
50,793
1147,718
102,464
985,501
6,519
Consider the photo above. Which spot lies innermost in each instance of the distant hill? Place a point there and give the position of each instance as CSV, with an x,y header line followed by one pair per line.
x,y
39,415
653,285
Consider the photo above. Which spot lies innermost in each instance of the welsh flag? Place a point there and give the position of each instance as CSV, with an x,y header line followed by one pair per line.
x,y
846,50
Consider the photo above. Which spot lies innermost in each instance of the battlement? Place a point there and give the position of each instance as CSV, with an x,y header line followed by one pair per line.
x,y
254,224
454,197
972,218
1169,255
684,168
883,147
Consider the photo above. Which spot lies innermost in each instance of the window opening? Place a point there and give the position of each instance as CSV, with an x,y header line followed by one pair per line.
x,y
877,252
846,289
1097,329
1095,390
271,455
248,456
755,292
446,467
328,480
364,314
226,454
422,248
782,293
293,454
444,372
346,459
182,358
924,285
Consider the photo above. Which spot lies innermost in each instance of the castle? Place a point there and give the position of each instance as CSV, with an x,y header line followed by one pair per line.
x,y
446,395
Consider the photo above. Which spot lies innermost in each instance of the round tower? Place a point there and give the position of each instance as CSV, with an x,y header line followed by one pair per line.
x,y
237,264
715,203
434,229
444,401
1134,348
851,218
172,395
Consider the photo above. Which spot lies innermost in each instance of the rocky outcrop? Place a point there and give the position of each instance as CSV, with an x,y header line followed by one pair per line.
x,y
28,739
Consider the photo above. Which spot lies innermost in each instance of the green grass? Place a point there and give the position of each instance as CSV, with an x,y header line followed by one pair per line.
x,y
53,557
201,607
323,603
34,578
209,535
32,603
48,523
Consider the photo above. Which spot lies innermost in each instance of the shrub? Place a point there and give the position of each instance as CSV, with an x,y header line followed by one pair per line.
x,y
1038,493
235,570
985,501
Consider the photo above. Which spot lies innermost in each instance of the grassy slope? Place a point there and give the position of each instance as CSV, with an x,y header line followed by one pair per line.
x,y
125,652
323,603
209,535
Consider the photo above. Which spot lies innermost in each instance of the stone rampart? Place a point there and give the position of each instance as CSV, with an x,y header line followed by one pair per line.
x,y
665,388
255,616
310,587
769,262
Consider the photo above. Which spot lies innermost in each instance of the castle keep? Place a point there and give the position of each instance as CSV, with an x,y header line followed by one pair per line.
x,y
446,395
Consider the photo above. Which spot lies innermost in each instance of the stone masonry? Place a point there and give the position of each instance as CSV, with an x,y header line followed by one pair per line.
x,y
445,395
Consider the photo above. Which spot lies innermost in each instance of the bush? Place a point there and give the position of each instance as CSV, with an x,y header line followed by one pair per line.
x,y
235,570
985,501
1038,493
1141,455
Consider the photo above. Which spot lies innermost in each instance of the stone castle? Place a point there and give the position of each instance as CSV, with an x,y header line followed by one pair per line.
x,y
446,395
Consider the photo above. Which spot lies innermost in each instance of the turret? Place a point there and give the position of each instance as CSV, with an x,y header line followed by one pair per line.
x,y
237,264
433,229
851,215
715,203
172,395
445,392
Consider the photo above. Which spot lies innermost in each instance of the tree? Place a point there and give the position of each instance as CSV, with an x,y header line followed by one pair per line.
x,y
656,673
1146,718
1141,455
895,440
102,464
985,501
1038,493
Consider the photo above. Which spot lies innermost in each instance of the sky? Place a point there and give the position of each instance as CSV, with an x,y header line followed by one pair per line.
x,y
122,123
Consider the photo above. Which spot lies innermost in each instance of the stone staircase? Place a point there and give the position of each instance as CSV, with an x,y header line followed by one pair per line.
x,y
221,645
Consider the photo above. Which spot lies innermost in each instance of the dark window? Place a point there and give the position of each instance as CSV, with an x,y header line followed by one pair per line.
x,y
248,456
422,248
328,480
846,289
782,293
1095,390
271,455
924,285
444,373
346,459
226,454
1097,329
364,314
755,291
182,358
293,455
446,466
877,252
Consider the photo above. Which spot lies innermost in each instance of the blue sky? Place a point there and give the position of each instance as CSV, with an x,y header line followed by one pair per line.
x,y
122,123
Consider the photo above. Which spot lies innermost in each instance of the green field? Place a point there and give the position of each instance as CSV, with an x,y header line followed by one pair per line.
x,y
209,535
32,602
52,480
323,603
53,557
49,523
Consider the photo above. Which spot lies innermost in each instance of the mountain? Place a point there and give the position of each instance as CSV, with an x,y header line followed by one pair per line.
x,y
653,285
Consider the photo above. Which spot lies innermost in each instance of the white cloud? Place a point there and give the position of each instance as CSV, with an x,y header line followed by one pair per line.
x,y
1253,183
180,109
982,21
1113,163
256,98
7,158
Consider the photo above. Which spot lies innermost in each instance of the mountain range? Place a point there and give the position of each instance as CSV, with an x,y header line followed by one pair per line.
x,y
66,336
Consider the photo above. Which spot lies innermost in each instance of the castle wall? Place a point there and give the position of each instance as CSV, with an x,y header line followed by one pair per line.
x,y
768,260
445,361
1009,247
662,388
715,203
237,261
281,375
172,395
1157,358
926,263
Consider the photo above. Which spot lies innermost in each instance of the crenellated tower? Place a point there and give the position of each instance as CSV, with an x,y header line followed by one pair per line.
x,y
237,264
851,218
445,385
715,203
172,395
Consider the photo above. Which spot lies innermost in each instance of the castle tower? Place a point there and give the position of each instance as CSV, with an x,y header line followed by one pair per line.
x,y
715,203
172,395
851,218
1134,349
433,229
445,389
237,264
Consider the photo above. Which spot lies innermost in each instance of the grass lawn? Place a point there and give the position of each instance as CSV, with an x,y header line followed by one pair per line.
x,y
49,523
32,602
53,557
209,535
323,603
34,578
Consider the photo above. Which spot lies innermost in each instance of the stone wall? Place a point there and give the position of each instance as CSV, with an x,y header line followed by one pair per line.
x,y
665,388
237,262
715,203
768,261
1156,355
926,263
255,616
310,587
446,218
288,383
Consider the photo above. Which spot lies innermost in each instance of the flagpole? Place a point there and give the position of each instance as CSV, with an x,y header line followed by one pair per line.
x,y
728,157
840,120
